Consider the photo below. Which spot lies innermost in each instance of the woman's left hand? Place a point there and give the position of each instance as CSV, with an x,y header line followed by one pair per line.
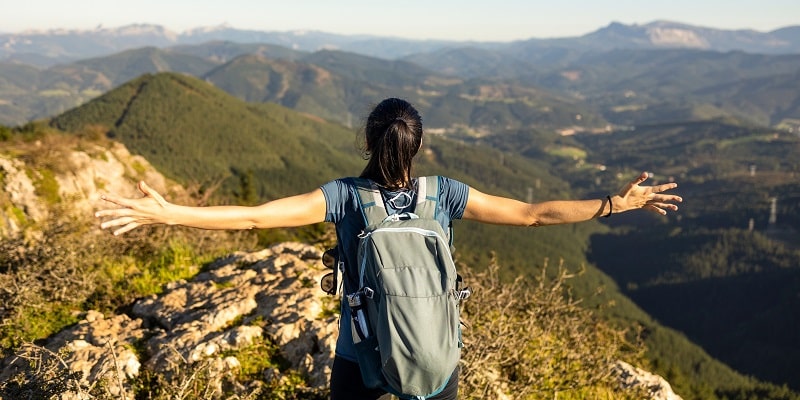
x,y
633,196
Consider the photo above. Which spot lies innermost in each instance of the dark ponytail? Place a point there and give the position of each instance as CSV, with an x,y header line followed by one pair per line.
x,y
393,136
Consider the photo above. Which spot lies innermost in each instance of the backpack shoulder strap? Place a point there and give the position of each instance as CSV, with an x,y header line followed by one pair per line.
x,y
369,196
427,197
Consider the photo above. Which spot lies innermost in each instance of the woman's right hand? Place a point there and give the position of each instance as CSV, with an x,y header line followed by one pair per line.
x,y
133,213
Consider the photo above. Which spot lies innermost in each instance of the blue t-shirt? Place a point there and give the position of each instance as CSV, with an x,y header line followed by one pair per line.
x,y
344,210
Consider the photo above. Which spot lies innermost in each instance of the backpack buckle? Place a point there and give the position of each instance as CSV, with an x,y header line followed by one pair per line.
x,y
401,217
368,293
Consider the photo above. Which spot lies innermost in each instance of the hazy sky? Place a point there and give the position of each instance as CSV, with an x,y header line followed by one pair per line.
x,y
483,20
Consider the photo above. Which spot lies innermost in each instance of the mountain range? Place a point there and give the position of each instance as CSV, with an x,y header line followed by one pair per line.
x,y
622,74
487,90
47,48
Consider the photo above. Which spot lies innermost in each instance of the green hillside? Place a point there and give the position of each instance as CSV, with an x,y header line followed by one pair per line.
x,y
197,133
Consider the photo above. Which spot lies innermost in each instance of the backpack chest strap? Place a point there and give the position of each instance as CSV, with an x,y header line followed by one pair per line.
x,y
373,207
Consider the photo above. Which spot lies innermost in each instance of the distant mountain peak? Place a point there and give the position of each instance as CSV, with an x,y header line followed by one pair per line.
x,y
209,29
671,34
675,36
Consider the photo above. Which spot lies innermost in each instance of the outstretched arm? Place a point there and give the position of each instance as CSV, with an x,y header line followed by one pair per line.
x,y
291,211
504,211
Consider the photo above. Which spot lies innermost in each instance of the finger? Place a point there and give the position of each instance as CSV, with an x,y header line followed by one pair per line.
x,y
113,212
104,213
666,198
147,190
116,200
117,222
126,228
641,178
666,206
653,208
664,187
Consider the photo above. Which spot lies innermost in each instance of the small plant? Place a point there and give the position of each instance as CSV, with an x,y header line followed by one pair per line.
x,y
42,374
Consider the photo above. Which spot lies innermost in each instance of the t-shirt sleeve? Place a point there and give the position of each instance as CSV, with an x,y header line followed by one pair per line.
x,y
454,195
336,194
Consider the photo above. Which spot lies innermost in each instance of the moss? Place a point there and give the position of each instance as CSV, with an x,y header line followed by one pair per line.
x,y
330,307
19,216
139,168
40,322
45,185
255,358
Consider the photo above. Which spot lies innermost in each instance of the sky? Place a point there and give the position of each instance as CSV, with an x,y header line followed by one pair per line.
x,y
479,20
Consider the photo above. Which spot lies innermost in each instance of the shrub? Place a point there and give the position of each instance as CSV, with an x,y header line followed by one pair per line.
x,y
532,340
5,133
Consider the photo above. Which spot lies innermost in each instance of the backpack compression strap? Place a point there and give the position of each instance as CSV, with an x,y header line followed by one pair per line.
x,y
374,210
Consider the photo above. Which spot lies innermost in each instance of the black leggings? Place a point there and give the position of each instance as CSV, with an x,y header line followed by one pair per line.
x,y
346,384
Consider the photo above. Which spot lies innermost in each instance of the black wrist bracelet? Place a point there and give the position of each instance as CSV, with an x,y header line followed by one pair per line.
x,y
610,207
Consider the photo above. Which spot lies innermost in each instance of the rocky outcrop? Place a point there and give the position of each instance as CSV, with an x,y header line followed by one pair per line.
x,y
657,387
271,294
81,178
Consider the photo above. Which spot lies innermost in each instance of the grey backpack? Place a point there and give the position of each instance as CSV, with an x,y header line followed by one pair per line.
x,y
406,325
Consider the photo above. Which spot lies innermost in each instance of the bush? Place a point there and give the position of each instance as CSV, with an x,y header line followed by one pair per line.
x,y
5,133
532,340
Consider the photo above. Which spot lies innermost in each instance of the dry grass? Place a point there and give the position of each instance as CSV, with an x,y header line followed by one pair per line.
x,y
531,340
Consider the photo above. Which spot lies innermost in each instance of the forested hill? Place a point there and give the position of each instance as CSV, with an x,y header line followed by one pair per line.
x,y
196,133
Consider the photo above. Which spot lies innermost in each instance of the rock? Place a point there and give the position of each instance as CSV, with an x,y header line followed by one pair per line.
x,y
630,376
23,204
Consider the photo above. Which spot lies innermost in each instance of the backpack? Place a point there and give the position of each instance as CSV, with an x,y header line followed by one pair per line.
x,y
405,313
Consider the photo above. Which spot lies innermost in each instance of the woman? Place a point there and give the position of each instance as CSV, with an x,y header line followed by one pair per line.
x,y
393,136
